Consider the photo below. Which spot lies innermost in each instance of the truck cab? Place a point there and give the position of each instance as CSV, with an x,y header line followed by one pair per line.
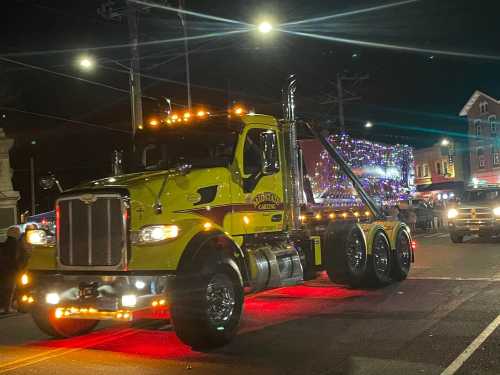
x,y
477,213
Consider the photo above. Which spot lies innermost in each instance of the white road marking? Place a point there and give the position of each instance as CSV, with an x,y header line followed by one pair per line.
x,y
474,345
489,279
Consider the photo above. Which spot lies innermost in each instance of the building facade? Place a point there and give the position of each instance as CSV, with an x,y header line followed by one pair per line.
x,y
483,115
440,170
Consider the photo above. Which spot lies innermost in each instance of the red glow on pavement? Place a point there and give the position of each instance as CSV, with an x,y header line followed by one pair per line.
x,y
158,340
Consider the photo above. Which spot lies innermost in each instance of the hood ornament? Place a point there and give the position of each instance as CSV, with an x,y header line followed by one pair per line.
x,y
88,199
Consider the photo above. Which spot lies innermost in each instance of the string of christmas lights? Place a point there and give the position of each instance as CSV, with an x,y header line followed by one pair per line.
x,y
386,173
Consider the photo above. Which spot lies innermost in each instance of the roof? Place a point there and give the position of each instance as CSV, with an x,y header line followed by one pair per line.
x,y
465,110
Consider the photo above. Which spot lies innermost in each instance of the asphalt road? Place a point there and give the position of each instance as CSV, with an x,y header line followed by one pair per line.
x,y
442,320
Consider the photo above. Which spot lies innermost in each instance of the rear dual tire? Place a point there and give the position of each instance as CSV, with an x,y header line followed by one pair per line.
x,y
347,260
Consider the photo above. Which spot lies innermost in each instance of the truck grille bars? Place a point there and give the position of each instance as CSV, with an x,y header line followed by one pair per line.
x,y
475,216
91,231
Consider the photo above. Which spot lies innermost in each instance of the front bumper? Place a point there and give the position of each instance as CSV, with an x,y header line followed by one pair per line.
x,y
463,227
97,296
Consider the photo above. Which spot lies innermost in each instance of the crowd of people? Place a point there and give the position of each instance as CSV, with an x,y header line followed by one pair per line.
x,y
423,216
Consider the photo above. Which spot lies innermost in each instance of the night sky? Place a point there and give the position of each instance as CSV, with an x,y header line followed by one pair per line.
x,y
410,96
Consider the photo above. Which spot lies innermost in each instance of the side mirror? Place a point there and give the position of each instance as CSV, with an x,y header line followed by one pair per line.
x,y
269,147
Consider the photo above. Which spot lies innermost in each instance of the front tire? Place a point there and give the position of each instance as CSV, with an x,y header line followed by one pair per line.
x,y
47,322
456,238
207,306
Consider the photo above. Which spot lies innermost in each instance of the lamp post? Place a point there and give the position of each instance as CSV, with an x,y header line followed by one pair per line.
x,y
87,63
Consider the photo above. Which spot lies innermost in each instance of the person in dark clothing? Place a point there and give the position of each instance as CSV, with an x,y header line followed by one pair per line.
x,y
8,272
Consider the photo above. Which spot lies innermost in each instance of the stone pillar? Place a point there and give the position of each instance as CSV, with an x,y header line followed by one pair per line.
x,y
8,197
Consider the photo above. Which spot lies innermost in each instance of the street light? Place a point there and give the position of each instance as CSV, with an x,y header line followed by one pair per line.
x,y
86,62
369,124
445,142
265,27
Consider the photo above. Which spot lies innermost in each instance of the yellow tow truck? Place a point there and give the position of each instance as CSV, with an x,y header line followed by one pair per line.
x,y
217,209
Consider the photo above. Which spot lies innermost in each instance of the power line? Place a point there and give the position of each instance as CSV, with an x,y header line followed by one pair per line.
x,y
124,45
54,117
39,68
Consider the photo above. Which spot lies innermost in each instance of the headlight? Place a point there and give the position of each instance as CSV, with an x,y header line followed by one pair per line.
x,y
496,211
25,279
452,213
157,233
129,300
36,237
52,298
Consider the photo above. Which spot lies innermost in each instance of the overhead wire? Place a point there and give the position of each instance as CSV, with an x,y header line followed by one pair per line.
x,y
59,118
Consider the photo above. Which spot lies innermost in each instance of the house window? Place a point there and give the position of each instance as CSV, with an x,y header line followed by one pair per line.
x,y
419,171
496,157
477,125
438,168
481,158
493,125
483,107
445,168
426,170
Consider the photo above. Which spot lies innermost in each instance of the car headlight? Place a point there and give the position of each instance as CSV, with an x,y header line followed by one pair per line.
x,y
36,237
452,213
157,233
496,211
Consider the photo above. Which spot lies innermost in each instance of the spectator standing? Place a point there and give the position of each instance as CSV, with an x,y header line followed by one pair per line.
x,y
8,272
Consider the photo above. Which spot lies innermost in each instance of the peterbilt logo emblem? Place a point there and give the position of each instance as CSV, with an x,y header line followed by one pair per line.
x,y
88,198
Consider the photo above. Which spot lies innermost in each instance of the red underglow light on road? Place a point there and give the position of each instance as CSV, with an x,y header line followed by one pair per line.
x,y
158,340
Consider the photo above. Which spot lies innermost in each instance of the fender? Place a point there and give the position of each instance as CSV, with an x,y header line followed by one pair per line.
x,y
370,230
234,256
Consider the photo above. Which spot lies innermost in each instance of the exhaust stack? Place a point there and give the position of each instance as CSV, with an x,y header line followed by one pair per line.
x,y
292,176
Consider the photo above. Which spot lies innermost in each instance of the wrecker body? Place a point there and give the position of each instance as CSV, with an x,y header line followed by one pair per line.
x,y
217,208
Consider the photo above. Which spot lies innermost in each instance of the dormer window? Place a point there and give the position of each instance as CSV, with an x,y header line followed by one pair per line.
x,y
483,107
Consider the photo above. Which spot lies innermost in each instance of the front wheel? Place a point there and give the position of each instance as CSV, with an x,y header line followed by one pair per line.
x,y
47,322
206,307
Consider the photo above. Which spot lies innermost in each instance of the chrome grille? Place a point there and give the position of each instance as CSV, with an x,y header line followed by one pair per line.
x,y
91,230
475,215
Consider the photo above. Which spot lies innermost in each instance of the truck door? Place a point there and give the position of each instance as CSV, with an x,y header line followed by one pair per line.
x,y
259,195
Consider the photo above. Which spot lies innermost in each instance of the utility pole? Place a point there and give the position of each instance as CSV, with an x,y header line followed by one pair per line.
x,y
343,95
186,53
135,77
32,185
340,99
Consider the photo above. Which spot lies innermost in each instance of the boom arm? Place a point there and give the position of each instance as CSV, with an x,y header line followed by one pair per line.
x,y
345,168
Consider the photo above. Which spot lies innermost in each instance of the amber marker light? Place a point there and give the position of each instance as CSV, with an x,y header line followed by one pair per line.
x,y
153,122
207,226
331,216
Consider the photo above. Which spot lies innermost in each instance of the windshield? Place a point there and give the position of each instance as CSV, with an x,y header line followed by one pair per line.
x,y
198,146
482,195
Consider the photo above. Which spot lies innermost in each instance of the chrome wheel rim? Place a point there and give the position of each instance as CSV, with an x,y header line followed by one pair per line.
x,y
381,256
355,253
403,251
220,300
